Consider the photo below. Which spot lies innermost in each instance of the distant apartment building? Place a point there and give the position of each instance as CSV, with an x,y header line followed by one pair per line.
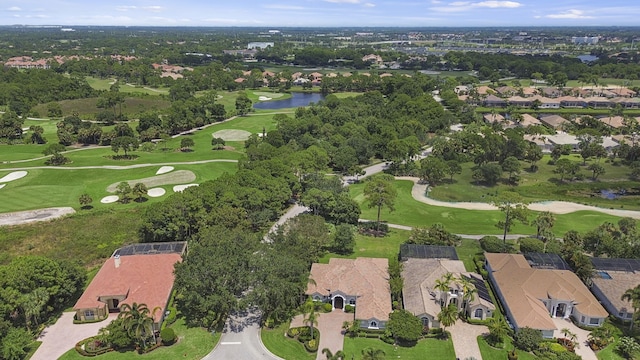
x,y
584,40
259,45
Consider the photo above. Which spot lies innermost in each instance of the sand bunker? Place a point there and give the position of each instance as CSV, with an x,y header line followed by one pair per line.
x,y
13,176
176,177
264,98
232,135
156,192
109,199
180,188
2,185
29,216
164,170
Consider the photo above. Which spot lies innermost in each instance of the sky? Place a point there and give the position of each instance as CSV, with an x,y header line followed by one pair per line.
x,y
322,13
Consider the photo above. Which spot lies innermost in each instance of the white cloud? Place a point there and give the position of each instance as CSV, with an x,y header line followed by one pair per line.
x,y
344,1
570,14
133,7
370,5
14,8
460,6
283,7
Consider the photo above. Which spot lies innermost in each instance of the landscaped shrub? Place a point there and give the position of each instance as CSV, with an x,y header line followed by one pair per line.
x,y
293,332
326,307
527,339
492,244
512,355
168,336
349,308
531,245
305,334
369,228
311,345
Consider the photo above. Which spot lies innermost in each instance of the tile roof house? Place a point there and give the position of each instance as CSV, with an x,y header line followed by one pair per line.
x,y
531,297
529,120
494,101
421,298
554,121
612,121
597,102
610,282
132,276
360,282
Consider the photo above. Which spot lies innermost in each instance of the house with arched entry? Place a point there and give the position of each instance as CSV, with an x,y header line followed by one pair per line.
x,y
423,298
532,296
362,283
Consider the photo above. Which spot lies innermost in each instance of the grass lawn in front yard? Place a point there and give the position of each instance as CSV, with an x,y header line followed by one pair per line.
x,y
429,348
277,342
411,212
193,344
490,353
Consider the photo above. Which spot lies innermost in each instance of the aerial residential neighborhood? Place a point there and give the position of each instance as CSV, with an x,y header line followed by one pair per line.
x,y
320,180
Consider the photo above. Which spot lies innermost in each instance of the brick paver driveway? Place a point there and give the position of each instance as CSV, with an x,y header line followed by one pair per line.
x,y
62,336
465,339
330,327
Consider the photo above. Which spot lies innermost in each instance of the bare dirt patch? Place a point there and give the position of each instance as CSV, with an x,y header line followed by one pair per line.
x,y
232,135
176,177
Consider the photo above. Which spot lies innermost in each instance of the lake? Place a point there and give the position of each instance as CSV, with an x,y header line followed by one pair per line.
x,y
296,100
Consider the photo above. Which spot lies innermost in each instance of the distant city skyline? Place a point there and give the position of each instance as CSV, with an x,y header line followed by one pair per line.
x,y
322,13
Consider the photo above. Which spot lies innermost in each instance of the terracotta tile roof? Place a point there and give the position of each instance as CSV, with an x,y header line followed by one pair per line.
x,y
483,90
524,288
493,118
143,279
612,121
555,121
529,91
616,286
366,278
528,120
419,295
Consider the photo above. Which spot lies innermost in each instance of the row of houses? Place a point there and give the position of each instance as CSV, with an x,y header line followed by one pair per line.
x,y
552,121
542,102
550,92
533,289
28,62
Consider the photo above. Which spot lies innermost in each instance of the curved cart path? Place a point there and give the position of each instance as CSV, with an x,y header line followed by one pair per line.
x,y
557,207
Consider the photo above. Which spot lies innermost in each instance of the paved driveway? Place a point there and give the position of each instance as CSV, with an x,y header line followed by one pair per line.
x,y
330,327
582,349
241,340
63,336
465,339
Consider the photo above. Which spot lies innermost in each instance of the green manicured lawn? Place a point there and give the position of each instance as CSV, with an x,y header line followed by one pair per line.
x,y
609,353
466,251
414,213
543,185
194,344
369,246
276,341
60,187
105,84
490,353
425,349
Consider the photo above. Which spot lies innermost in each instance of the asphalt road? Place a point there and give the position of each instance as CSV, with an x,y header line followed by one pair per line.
x,y
241,340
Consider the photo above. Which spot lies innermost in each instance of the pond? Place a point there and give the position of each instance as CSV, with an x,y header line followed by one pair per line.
x,y
296,100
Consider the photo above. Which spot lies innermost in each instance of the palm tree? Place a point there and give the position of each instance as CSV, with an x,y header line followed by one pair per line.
x,y
468,290
447,317
138,320
498,328
633,296
310,315
442,285
372,354
569,335
339,355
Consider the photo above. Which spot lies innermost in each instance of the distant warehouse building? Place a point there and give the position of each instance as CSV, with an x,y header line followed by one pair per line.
x,y
585,40
259,45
